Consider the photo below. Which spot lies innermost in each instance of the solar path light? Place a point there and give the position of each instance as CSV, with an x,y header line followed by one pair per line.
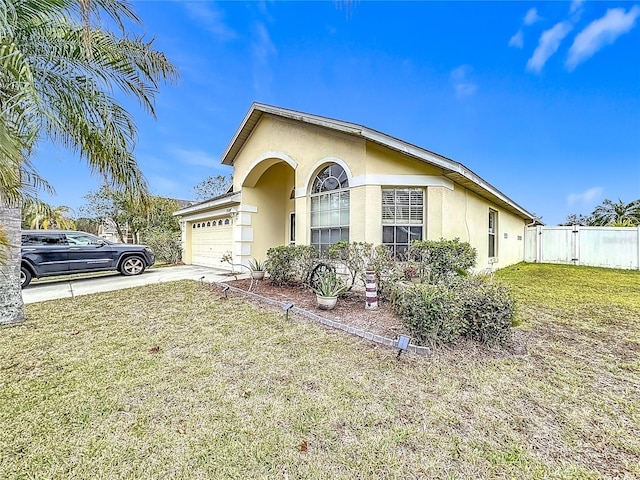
x,y
403,344
286,307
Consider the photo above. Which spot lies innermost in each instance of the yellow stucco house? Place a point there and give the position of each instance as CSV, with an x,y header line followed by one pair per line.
x,y
306,179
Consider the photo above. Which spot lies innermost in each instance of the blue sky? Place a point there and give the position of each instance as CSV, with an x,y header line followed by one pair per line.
x,y
541,99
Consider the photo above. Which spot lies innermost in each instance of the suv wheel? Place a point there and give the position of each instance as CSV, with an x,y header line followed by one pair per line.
x,y
25,277
132,266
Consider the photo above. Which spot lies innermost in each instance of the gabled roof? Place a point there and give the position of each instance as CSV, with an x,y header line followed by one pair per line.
x,y
451,169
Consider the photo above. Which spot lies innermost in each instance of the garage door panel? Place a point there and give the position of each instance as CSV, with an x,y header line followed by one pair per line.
x,y
209,244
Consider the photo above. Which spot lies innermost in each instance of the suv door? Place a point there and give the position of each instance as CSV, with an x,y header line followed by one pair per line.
x,y
47,252
87,252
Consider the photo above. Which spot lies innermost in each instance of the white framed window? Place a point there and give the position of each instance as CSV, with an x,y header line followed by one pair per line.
x,y
493,233
292,228
402,218
330,203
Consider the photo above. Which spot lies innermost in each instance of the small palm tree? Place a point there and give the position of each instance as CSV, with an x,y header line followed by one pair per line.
x,y
616,213
38,215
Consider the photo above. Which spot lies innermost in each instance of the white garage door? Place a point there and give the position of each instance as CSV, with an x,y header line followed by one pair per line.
x,y
210,239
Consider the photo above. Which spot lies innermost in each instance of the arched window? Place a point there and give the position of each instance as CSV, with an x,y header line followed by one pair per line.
x,y
329,207
208,224
219,222
226,221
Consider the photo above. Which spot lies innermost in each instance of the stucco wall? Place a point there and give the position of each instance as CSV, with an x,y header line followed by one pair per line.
x,y
465,215
305,146
269,223
283,154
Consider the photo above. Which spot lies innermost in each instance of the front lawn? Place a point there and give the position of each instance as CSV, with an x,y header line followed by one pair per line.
x,y
172,381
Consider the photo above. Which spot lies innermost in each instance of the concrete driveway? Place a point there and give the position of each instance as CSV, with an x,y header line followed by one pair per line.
x,y
43,290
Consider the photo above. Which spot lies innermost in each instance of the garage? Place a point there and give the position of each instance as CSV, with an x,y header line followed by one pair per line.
x,y
210,239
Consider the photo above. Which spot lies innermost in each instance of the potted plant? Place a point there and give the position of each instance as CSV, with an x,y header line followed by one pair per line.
x,y
257,269
328,288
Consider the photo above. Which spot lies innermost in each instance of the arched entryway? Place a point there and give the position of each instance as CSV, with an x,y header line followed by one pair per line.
x,y
268,199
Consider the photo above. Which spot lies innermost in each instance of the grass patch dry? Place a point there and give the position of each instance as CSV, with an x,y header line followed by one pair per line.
x,y
173,381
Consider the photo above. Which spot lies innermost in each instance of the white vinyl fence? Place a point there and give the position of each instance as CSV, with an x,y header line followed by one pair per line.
x,y
612,247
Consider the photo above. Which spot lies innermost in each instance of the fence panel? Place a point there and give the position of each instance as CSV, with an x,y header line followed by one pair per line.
x,y
609,247
612,247
531,235
557,245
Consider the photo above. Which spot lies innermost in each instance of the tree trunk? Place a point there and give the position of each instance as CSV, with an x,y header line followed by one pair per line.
x,y
11,305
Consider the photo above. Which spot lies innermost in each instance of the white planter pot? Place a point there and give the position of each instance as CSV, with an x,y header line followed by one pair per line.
x,y
326,303
257,275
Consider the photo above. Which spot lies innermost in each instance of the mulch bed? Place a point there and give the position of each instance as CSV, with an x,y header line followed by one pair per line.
x,y
349,310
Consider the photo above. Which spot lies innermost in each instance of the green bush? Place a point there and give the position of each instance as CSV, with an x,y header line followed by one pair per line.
x,y
288,263
305,257
166,245
431,313
440,260
356,256
488,309
386,269
279,264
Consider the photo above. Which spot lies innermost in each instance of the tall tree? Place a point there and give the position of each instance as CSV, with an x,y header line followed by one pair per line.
x,y
59,66
576,219
128,216
212,187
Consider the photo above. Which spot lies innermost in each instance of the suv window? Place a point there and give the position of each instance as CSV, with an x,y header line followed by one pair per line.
x,y
43,239
82,239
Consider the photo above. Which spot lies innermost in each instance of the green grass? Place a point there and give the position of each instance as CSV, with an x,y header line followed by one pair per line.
x,y
234,391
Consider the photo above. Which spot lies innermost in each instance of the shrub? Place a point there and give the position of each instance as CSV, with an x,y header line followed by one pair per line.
x,y
431,313
386,269
488,309
166,245
441,260
356,256
279,264
305,257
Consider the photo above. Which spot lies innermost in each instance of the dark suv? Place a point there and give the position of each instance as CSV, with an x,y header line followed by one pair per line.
x,y
47,253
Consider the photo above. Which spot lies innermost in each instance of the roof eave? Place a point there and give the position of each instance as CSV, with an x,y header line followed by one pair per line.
x,y
217,202
451,168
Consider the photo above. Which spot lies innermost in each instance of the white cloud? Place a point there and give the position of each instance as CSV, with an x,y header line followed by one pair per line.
x,y
263,50
461,83
211,18
262,46
548,45
532,17
164,186
585,198
601,32
576,6
517,40
194,157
